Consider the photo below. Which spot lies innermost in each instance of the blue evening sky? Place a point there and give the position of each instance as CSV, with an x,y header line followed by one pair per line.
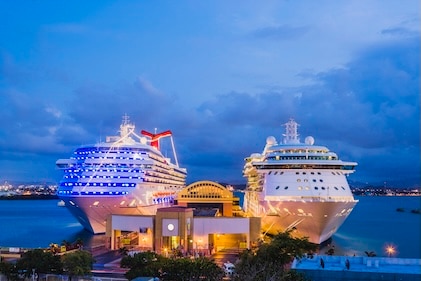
x,y
222,75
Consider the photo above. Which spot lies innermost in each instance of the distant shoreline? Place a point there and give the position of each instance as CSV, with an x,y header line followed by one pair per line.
x,y
29,197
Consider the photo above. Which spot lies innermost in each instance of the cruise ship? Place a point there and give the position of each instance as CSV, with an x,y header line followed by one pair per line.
x,y
126,174
298,187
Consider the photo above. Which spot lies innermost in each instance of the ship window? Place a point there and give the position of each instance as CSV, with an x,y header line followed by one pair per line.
x,y
312,173
319,173
323,188
270,173
304,173
276,173
321,180
281,173
316,188
314,180
305,180
298,180
297,173
286,187
343,187
336,188
307,188
277,187
299,188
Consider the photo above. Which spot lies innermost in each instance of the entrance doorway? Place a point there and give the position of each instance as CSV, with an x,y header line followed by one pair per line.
x,y
228,242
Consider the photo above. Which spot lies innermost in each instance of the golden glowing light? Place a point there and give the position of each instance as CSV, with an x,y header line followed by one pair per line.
x,y
390,250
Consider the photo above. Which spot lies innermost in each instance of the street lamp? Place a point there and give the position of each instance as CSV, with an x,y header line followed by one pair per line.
x,y
390,250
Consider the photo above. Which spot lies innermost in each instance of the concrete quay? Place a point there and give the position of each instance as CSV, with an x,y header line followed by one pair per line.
x,y
345,268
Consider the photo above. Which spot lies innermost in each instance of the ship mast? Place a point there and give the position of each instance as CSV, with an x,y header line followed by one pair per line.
x,y
291,135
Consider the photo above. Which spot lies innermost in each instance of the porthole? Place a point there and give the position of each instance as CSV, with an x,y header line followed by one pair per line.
x,y
286,187
316,188
277,187
335,187
298,180
323,188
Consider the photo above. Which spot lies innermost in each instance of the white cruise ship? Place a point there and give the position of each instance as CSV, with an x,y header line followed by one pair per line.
x,y
298,187
126,174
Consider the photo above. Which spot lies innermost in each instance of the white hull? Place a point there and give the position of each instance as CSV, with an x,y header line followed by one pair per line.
x,y
317,220
93,216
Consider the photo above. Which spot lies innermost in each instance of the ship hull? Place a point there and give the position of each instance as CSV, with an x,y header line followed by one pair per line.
x,y
316,220
93,215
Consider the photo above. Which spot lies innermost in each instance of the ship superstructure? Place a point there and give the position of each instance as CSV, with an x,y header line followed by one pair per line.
x,y
298,187
126,174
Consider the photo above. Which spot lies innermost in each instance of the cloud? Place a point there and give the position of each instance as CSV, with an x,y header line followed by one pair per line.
x,y
399,31
367,112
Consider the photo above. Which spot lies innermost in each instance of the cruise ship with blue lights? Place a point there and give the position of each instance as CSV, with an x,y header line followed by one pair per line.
x,y
298,187
126,174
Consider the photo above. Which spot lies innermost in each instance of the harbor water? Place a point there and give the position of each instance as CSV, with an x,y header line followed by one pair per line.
x,y
373,225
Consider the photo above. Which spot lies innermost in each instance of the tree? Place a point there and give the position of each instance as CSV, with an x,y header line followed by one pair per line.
x,y
9,270
40,262
145,264
186,269
78,263
370,254
272,260
150,264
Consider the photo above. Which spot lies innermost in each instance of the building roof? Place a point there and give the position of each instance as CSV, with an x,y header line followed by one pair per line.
x,y
205,191
175,209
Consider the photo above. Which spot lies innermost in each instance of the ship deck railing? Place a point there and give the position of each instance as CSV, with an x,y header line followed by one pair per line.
x,y
312,198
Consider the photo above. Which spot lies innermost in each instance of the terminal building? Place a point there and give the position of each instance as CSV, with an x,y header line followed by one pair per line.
x,y
206,218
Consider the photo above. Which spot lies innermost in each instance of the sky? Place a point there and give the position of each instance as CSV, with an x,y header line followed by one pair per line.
x,y
221,75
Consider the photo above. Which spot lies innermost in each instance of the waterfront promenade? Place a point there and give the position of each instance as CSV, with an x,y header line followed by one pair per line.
x,y
345,268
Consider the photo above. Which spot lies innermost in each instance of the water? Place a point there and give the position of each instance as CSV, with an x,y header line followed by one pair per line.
x,y
37,224
373,224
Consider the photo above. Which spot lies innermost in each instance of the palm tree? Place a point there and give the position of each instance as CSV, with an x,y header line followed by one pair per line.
x,y
370,254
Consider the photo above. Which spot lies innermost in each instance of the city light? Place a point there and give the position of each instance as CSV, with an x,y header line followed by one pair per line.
x,y
390,250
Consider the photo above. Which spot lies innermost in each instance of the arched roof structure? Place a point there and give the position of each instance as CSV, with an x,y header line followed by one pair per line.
x,y
205,191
